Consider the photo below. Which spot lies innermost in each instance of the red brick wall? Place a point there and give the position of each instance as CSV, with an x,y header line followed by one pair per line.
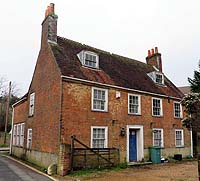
x,y
45,121
20,113
78,118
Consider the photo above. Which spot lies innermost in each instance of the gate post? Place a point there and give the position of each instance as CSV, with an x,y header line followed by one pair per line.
x,y
64,160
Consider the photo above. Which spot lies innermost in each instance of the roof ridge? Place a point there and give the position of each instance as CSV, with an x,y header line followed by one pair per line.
x,y
103,51
88,46
127,58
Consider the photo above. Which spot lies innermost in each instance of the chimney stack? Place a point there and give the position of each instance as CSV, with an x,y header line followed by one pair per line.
x,y
49,10
49,26
154,58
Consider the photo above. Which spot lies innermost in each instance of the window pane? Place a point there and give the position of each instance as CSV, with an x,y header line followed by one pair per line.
x,y
157,137
156,107
99,99
90,60
133,104
177,110
98,140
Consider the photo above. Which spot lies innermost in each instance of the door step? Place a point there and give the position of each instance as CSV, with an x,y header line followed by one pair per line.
x,y
139,163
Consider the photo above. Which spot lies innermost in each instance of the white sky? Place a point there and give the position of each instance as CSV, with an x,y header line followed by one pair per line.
x,y
124,27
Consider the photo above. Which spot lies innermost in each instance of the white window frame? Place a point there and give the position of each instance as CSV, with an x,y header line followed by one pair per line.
x,y
182,138
18,134
15,134
139,104
181,112
31,104
161,107
22,134
156,73
162,138
106,99
29,138
93,54
106,135
152,75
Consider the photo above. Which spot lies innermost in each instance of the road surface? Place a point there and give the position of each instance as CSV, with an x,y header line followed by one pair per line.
x,y
11,170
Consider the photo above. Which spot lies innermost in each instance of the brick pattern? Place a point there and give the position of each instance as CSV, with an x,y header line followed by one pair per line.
x,y
78,118
46,118
64,160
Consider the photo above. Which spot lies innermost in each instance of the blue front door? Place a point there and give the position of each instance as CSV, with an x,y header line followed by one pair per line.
x,y
132,145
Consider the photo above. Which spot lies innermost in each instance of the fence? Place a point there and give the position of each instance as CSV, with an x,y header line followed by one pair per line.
x,y
90,158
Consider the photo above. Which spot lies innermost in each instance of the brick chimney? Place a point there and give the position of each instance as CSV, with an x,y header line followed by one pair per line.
x,y
49,26
154,58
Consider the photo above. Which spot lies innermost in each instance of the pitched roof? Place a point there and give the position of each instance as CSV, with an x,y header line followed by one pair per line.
x,y
185,89
113,69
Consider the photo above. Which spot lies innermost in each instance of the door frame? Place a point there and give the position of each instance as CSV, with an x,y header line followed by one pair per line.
x,y
139,140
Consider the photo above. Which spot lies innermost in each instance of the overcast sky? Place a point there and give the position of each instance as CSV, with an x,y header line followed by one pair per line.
x,y
124,27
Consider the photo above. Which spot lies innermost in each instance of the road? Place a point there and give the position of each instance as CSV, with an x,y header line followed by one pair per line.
x,y
11,170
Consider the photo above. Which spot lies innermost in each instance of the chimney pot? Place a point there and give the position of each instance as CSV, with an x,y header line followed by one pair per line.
x,y
152,51
51,8
156,49
149,53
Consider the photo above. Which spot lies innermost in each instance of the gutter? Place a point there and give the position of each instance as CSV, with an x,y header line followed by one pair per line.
x,y
117,87
19,102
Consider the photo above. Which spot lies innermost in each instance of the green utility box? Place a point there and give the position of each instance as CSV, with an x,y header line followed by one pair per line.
x,y
155,154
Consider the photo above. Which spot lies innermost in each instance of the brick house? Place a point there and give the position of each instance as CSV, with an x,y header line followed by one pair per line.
x,y
106,100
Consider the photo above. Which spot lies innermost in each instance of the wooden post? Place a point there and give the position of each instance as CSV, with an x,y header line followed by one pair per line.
x,y
72,153
7,112
85,159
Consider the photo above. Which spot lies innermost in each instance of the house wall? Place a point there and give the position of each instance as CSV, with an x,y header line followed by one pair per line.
x,y
78,118
45,121
20,113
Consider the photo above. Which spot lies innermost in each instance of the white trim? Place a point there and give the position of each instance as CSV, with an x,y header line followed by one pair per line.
x,y
158,73
18,102
106,135
29,143
106,99
31,104
182,139
93,54
161,107
14,134
118,87
22,134
153,75
181,110
140,141
12,130
18,134
162,137
139,104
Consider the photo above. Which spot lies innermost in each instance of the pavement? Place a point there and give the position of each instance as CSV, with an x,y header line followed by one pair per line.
x,y
14,170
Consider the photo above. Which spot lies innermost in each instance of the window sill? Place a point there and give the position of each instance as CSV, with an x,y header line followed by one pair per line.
x,y
134,114
180,146
95,110
161,147
178,117
157,116
92,68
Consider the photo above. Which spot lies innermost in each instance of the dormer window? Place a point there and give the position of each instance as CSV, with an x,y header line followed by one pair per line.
x,y
157,77
89,59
